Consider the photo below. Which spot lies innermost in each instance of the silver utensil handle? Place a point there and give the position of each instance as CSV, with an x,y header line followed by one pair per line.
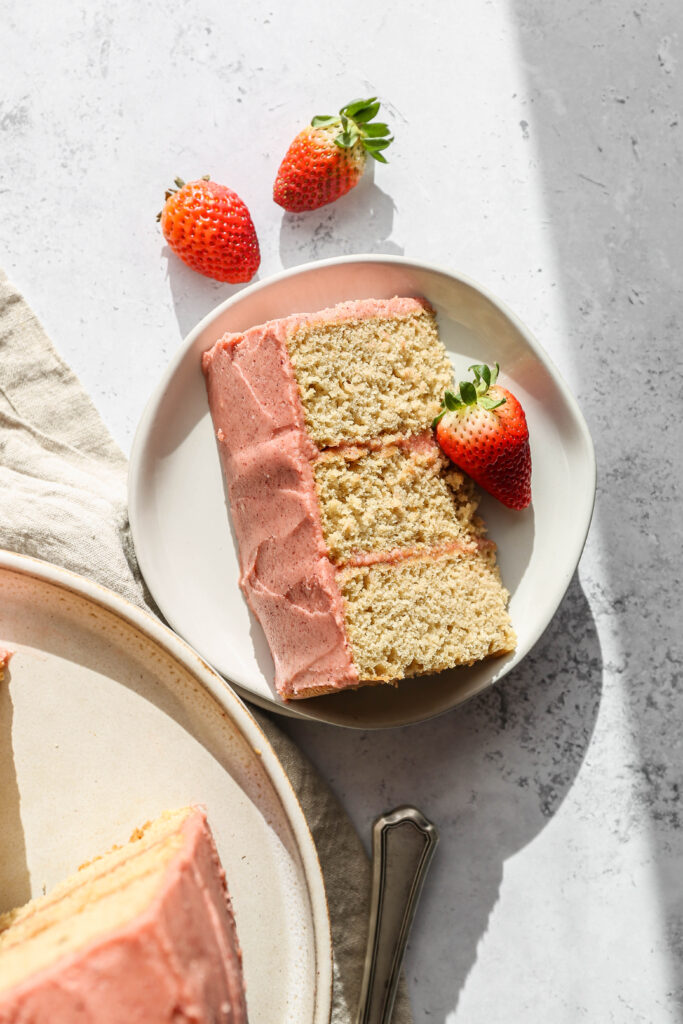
x,y
403,844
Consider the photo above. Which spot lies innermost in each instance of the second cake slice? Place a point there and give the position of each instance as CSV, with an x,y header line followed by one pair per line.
x,y
360,551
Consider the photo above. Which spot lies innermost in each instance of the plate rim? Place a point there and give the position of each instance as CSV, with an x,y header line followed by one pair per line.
x,y
224,695
147,418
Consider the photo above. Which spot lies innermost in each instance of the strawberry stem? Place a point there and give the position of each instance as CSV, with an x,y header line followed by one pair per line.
x,y
472,393
358,128
172,191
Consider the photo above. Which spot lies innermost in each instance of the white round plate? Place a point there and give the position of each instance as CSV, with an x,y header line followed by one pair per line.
x,y
181,525
107,719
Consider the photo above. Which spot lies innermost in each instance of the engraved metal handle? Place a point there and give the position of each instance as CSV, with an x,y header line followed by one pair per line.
x,y
403,843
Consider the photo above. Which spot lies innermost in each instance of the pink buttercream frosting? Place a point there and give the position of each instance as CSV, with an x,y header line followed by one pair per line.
x,y
267,457
266,453
395,555
179,961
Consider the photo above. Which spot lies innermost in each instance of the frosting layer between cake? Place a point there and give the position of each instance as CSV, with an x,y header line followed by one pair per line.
x,y
339,491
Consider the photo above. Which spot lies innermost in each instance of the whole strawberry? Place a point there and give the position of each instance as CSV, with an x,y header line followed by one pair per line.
x,y
327,159
483,430
209,227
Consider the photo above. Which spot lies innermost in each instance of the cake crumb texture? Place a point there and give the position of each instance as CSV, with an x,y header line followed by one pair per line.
x,y
374,501
425,614
362,378
324,424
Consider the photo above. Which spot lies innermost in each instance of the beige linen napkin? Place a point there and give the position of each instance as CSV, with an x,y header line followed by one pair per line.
x,y
63,499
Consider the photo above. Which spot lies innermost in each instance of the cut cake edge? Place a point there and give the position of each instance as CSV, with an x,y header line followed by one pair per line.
x,y
280,408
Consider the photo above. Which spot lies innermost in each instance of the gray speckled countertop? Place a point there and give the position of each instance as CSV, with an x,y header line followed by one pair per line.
x,y
538,149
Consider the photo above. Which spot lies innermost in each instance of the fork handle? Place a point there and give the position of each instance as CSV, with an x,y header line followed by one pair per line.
x,y
403,844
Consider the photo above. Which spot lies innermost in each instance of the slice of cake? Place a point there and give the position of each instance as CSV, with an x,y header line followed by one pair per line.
x,y
360,551
144,933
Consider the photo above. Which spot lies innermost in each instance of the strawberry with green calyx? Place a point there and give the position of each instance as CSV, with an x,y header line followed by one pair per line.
x,y
210,228
483,430
326,160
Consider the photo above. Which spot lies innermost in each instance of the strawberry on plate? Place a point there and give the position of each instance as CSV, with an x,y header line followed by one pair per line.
x,y
327,158
483,430
209,227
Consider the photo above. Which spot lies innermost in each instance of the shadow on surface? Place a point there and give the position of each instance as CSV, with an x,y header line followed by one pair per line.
x,y
611,158
15,881
359,222
193,295
501,767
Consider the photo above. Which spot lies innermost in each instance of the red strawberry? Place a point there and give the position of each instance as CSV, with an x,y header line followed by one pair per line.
x,y
483,430
211,229
328,158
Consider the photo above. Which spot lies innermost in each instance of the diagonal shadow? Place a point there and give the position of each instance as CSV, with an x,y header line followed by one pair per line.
x,y
361,221
611,158
496,771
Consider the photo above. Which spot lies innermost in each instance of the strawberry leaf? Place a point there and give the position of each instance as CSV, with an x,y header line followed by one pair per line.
x,y
468,392
347,139
373,131
482,377
490,403
494,374
355,120
451,402
366,113
351,109
375,146
437,419
323,121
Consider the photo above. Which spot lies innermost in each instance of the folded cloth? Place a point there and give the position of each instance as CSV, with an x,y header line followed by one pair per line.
x,y
63,499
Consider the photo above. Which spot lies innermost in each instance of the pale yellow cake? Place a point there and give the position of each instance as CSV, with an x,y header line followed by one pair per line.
x,y
360,548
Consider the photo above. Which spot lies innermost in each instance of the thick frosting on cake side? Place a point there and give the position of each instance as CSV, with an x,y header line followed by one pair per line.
x,y
179,960
347,513
286,575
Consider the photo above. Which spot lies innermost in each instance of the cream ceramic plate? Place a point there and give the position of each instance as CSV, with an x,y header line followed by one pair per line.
x,y
181,526
107,718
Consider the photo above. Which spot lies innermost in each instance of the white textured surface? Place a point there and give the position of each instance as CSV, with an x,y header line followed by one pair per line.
x,y
538,150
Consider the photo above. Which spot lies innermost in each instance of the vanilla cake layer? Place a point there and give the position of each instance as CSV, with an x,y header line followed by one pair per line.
x,y
425,614
342,502
400,496
145,932
361,377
